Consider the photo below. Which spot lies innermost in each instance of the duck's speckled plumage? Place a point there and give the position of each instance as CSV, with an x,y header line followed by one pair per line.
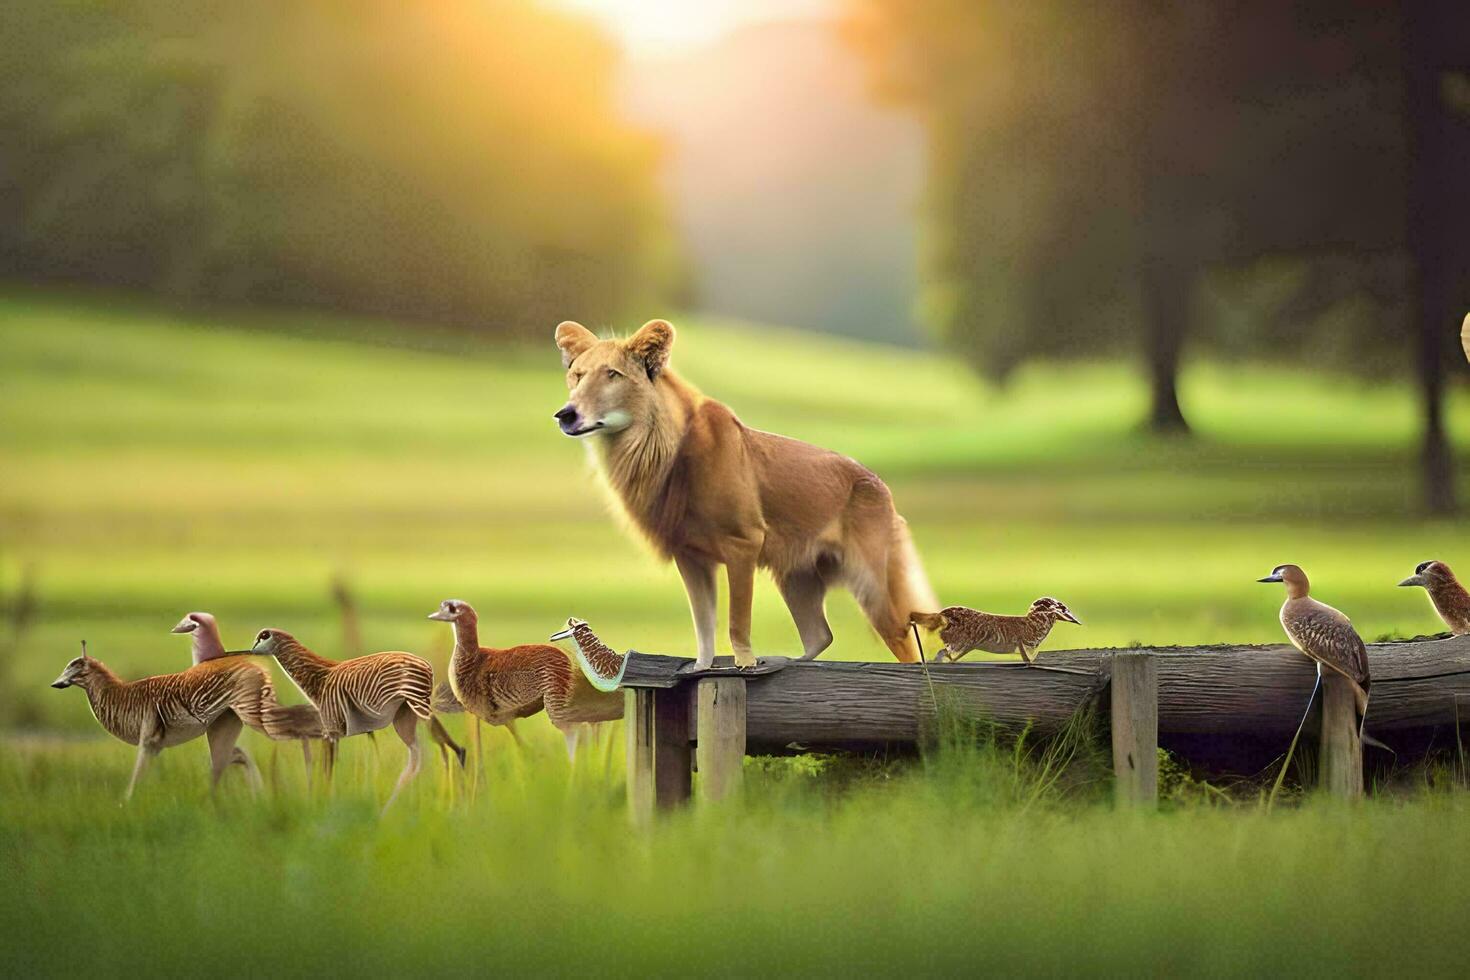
x,y
1323,633
601,664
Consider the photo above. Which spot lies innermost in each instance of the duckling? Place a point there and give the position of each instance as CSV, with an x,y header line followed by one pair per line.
x,y
963,630
1450,599
501,685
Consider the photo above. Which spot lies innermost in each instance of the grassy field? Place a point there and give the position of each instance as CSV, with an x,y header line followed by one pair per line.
x,y
154,464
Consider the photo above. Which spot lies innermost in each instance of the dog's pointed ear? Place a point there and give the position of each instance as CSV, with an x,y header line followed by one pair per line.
x,y
572,339
652,344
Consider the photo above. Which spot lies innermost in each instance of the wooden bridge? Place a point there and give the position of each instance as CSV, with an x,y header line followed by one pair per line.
x,y
1223,704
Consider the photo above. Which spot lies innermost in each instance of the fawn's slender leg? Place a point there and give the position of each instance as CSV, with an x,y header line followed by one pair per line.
x,y
406,724
148,747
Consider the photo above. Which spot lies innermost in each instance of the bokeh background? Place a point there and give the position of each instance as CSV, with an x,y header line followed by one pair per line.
x,y
1129,302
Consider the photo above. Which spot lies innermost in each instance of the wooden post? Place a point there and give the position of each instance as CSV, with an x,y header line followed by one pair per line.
x,y
1341,765
671,755
638,724
721,737
1135,714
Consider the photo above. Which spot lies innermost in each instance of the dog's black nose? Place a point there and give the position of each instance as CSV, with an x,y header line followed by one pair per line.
x,y
566,418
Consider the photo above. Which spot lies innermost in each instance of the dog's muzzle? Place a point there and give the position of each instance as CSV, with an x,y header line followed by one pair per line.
x,y
566,418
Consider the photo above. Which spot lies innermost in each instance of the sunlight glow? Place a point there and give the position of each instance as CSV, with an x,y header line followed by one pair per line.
x,y
649,26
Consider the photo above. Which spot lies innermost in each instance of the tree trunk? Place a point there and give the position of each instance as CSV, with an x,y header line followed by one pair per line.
x,y
1436,200
1166,315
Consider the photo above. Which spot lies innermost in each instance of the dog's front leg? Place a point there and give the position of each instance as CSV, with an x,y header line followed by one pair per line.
x,y
699,583
740,570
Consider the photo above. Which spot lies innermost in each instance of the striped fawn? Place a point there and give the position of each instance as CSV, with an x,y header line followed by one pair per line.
x,y
212,699
300,722
362,695
501,685
962,630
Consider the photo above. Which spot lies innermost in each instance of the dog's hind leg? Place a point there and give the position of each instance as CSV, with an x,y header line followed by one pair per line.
x,y
740,572
805,593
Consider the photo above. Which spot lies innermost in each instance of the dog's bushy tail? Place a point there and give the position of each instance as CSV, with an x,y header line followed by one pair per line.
x,y
908,586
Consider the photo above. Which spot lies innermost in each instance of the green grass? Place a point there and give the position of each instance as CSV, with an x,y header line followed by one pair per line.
x,y
154,464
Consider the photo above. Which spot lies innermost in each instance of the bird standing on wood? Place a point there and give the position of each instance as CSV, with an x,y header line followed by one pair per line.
x,y
962,629
1450,599
361,695
213,699
601,664
501,685
1327,636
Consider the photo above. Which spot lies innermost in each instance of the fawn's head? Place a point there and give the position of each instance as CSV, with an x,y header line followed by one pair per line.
x,y
78,671
1054,608
269,643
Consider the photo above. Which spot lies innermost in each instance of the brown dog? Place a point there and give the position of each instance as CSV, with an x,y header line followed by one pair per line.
x,y
707,491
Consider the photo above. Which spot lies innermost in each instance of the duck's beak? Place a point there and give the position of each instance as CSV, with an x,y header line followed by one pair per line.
x,y
1273,577
441,616
565,634
60,683
1412,580
186,626
1071,618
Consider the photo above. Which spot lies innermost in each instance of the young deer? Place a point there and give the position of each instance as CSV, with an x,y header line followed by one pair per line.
x,y
212,699
282,722
501,685
963,630
362,695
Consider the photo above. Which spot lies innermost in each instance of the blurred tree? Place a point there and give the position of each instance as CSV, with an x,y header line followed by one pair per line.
x,y
459,161
1091,162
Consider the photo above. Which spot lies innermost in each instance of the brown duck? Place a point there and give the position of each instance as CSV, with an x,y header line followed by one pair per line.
x,y
1450,599
962,629
501,685
1321,632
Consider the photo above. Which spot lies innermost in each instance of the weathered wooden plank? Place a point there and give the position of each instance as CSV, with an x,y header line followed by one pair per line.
x,y
840,704
658,670
1340,761
1251,691
721,737
672,758
1135,724
638,731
